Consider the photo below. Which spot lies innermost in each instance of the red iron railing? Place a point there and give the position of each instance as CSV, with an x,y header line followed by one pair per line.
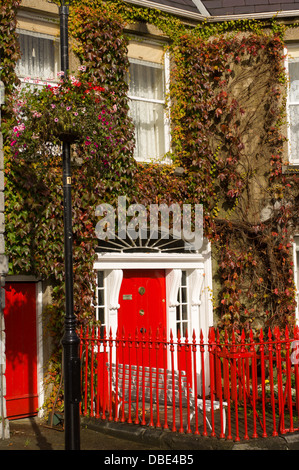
x,y
237,387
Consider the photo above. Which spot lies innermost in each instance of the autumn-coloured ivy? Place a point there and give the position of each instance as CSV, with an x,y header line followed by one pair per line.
x,y
224,89
227,111
9,51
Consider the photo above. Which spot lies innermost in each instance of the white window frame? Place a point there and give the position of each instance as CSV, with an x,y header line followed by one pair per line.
x,y
103,305
166,66
287,51
180,322
42,81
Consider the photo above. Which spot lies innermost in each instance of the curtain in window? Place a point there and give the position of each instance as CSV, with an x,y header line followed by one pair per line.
x,y
294,110
146,90
38,58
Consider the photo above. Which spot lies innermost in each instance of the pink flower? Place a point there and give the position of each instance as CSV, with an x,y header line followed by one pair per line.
x,y
56,119
19,128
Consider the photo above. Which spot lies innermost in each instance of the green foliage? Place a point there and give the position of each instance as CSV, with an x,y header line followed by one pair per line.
x,y
9,52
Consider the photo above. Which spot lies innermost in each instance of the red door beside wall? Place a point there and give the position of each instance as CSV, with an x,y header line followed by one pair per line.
x,y
21,349
142,302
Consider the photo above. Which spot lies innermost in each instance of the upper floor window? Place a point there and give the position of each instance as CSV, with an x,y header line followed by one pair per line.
x,y
39,57
293,102
148,78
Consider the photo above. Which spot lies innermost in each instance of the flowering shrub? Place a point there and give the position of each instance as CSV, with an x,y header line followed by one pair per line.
x,y
73,110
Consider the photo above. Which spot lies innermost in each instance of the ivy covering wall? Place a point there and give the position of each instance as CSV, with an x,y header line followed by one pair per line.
x,y
227,96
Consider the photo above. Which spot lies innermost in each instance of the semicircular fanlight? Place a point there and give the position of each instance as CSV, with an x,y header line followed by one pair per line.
x,y
164,243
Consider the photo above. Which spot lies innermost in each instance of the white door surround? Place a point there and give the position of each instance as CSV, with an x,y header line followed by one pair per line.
x,y
199,272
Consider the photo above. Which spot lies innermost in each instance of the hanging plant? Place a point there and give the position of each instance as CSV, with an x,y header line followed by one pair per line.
x,y
74,110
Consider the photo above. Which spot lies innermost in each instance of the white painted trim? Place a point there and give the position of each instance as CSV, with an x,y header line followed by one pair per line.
x,y
37,34
39,343
197,287
149,261
202,9
198,265
167,133
176,275
290,158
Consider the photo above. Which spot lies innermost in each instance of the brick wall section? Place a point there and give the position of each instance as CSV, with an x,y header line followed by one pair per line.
x,y
241,7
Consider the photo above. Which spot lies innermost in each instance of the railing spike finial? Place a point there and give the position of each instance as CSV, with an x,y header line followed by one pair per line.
x,y
186,337
269,334
194,336
243,336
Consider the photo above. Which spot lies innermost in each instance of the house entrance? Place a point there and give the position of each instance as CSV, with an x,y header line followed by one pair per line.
x,y
142,310
21,349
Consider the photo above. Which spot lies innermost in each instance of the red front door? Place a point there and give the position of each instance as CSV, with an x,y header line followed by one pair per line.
x,y
21,349
142,311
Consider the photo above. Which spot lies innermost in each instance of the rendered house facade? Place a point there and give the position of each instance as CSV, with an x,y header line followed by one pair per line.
x,y
127,272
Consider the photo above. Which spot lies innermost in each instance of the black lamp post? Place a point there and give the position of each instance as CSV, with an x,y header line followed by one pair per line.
x,y
70,340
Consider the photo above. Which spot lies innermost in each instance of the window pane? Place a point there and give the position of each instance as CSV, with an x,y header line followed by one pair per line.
x,y
294,81
184,312
38,57
146,81
100,278
178,314
101,297
148,119
294,131
184,294
101,315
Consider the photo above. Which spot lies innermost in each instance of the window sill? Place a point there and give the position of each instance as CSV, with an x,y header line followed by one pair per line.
x,y
290,168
